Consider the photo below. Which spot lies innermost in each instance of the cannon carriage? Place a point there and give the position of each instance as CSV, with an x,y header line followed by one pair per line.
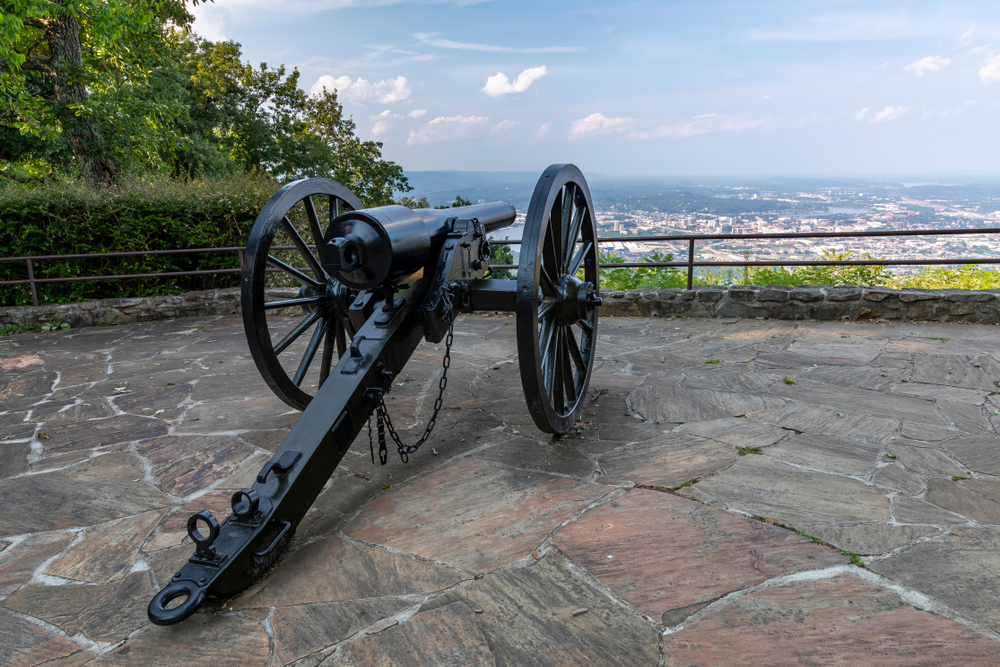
x,y
375,282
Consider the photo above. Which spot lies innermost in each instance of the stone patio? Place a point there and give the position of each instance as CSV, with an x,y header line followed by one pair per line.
x,y
738,492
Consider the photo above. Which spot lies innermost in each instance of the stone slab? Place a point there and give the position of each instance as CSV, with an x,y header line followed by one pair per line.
x,y
204,640
334,569
956,498
97,490
835,423
25,644
957,370
472,514
560,456
14,456
19,561
896,478
101,433
102,612
831,621
341,499
738,432
924,460
446,636
981,454
183,465
912,510
82,374
868,539
528,619
675,404
964,417
960,569
303,630
770,489
667,462
826,453
859,401
106,551
667,555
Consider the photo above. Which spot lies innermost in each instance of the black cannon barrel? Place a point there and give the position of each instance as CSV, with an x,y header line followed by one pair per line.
x,y
375,246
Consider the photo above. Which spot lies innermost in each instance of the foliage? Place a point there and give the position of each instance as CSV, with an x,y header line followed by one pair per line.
x,y
640,277
242,118
964,277
140,214
501,253
410,202
78,75
459,201
144,95
869,275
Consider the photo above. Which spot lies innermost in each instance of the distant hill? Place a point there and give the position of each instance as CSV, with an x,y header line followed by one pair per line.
x,y
441,187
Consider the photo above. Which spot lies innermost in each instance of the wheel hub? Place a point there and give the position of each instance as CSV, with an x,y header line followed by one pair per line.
x,y
576,300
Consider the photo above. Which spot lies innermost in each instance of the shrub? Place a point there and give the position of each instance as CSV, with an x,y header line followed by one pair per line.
x,y
63,218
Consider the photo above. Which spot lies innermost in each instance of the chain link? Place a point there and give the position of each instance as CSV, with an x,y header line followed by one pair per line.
x,y
382,413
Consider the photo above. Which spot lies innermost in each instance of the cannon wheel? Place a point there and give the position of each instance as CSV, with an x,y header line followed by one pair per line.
x,y
322,299
557,298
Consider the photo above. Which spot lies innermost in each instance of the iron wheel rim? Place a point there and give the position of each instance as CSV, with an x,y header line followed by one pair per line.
x,y
329,331
560,240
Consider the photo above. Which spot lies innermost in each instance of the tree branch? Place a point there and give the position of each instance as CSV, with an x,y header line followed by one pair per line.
x,y
39,24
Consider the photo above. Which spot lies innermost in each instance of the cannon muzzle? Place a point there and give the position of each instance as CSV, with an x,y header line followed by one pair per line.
x,y
376,246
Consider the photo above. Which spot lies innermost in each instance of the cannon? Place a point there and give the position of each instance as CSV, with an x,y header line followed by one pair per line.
x,y
374,283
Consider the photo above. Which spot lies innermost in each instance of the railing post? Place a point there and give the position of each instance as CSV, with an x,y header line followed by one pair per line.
x,y
691,264
239,251
31,281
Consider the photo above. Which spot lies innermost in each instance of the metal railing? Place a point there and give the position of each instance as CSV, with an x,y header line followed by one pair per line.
x,y
689,264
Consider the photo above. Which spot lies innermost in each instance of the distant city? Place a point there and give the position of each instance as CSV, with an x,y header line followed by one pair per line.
x,y
645,208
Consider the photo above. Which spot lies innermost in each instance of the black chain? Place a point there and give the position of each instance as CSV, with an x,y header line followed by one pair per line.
x,y
382,412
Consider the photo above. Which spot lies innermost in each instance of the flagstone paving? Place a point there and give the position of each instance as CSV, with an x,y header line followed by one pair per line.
x,y
737,492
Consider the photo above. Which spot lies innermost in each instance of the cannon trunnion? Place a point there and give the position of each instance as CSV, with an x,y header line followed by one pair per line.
x,y
375,282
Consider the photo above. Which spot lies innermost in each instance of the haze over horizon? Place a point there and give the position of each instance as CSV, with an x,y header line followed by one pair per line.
x,y
648,89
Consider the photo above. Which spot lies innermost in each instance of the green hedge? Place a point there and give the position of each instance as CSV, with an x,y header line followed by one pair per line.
x,y
159,214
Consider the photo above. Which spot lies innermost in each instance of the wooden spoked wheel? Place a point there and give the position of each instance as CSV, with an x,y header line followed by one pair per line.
x,y
557,298
286,250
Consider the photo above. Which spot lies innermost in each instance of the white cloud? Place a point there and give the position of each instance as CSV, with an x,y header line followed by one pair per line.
x,y
417,113
598,123
448,128
503,126
360,91
384,123
991,71
704,124
927,64
861,114
889,113
430,39
965,39
539,132
499,84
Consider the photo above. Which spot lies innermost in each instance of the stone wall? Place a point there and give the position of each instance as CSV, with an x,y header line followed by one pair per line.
x,y
807,303
141,309
785,303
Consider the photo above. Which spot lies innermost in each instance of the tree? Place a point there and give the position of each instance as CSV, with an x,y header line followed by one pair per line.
x,y
78,71
261,121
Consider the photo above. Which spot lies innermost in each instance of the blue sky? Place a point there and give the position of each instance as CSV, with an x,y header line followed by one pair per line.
x,y
648,88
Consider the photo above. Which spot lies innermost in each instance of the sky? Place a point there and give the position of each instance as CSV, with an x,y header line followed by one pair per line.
x,y
688,87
